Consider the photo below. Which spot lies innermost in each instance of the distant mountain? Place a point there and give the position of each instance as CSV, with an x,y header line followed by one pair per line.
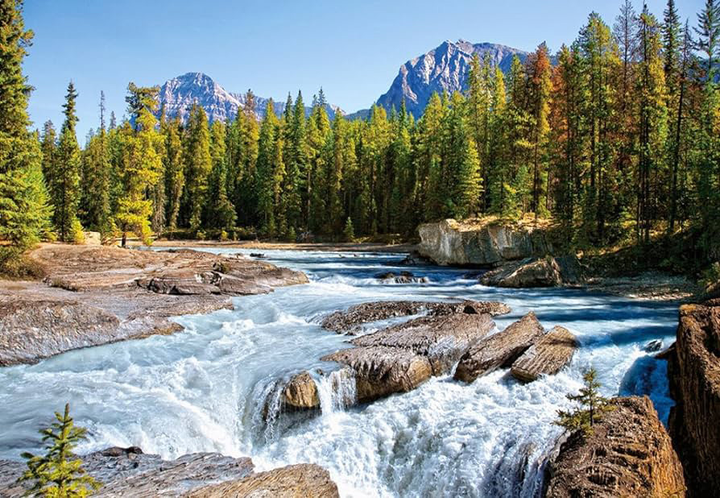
x,y
178,95
442,69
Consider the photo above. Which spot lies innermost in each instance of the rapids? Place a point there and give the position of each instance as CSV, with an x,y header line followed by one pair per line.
x,y
216,386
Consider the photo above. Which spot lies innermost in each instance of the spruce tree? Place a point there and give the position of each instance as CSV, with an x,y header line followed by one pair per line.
x,y
24,212
220,212
59,473
174,171
198,164
592,406
96,178
142,164
65,186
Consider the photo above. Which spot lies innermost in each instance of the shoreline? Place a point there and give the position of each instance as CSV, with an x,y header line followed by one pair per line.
x,y
290,246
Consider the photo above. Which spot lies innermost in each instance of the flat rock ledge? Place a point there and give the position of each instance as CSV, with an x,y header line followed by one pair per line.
x,y
128,472
96,295
628,454
350,320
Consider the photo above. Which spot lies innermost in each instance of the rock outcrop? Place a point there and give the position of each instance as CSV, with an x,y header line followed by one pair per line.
x,y
449,242
547,356
694,373
628,454
349,320
401,357
293,481
128,472
536,272
500,349
442,339
95,295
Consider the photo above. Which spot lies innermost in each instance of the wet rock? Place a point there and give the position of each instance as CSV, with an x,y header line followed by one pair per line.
x,y
294,481
381,371
404,277
415,259
547,356
258,255
500,349
301,392
451,243
653,346
128,472
694,374
534,272
348,321
441,338
628,454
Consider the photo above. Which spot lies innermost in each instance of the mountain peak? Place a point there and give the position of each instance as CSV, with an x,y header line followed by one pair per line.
x,y
443,69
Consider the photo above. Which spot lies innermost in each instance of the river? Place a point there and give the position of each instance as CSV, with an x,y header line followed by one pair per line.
x,y
211,387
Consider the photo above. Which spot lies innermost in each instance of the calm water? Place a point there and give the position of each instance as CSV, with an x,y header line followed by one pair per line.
x,y
212,387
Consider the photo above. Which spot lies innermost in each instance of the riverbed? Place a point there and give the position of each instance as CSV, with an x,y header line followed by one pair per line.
x,y
214,387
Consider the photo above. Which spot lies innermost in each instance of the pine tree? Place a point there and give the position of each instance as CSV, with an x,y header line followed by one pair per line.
x,y
96,178
708,38
269,169
142,164
592,406
65,186
59,473
174,171
245,195
540,86
220,210
198,164
349,231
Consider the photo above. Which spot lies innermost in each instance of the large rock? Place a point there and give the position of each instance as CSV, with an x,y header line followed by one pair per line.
x,y
349,320
694,373
451,243
294,481
536,272
442,339
547,356
301,392
404,277
128,472
381,371
500,349
628,454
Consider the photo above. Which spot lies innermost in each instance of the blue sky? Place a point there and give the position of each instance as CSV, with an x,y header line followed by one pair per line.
x,y
352,49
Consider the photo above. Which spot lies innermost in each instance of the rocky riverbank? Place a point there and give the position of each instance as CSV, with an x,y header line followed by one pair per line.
x,y
694,373
94,295
128,472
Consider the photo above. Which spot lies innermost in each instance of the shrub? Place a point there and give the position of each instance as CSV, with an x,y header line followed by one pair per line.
x,y
349,232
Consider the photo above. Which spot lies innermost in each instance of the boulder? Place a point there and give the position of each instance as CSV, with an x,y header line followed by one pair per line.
x,y
381,371
536,272
404,277
293,481
301,392
349,320
442,339
485,244
414,258
547,356
694,374
629,453
500,349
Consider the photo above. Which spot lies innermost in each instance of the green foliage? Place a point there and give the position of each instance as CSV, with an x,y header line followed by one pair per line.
x,y
59,473
349,231
592,406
